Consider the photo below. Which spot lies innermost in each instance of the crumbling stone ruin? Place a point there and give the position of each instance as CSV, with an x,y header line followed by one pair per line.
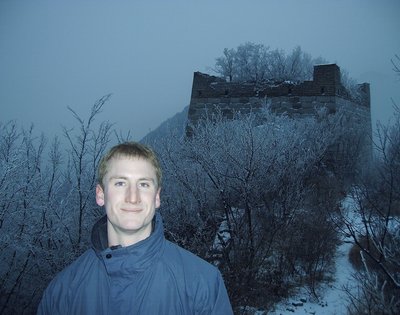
x,y
293,98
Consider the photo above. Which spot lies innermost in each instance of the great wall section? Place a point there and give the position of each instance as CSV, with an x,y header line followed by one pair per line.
x,y
295,99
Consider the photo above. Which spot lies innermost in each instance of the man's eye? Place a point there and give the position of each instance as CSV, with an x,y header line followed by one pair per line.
x,y
144,185
119,184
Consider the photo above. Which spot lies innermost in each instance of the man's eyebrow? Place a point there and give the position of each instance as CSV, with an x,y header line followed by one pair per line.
x,y
118,177
148,179
126,178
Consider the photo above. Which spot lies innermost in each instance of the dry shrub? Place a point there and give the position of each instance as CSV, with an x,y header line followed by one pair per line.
x,y
355,254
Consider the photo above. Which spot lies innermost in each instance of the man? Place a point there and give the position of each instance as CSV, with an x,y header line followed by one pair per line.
x,y
132,268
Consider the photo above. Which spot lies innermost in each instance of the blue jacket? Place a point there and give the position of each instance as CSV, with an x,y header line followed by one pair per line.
x,y
153,276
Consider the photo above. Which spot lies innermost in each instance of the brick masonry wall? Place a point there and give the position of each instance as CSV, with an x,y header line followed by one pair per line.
x,y
211,94
296,99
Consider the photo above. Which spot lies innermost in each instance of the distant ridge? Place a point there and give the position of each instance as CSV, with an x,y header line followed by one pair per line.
x,y
175,125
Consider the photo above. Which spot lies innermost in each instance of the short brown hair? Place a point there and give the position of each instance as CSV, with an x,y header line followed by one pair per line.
x,y
130,150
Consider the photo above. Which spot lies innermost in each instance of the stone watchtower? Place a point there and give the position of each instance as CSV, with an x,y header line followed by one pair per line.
x,y
295,99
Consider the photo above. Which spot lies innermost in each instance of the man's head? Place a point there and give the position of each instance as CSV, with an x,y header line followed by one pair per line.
x,y
129,150
129,189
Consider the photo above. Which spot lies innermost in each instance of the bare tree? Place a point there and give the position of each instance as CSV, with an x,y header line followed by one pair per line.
x,y
226,64
374,225
396,64
46,204
86,148
240,190
257,63
21,191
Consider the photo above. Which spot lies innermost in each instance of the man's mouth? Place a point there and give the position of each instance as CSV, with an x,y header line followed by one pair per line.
x,y
131,209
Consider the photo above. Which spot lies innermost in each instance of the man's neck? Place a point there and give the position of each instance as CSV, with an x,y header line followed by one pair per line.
x,y
124,238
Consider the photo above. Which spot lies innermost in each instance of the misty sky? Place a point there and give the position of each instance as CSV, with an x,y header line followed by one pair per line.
x,y
55,54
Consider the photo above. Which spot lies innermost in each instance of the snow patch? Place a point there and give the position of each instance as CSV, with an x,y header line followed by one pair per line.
x,y
332,296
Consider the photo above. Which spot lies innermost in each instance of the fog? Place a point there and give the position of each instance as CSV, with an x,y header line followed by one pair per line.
x,y
55,54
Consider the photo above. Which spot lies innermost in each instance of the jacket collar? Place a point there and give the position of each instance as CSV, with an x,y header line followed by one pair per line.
x,y
135,257
99,234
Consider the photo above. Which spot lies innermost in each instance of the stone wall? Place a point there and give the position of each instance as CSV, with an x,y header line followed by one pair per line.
x,y
293,98
296,99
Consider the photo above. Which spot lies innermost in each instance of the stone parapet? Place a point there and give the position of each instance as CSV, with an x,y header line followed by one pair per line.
x,y
293,98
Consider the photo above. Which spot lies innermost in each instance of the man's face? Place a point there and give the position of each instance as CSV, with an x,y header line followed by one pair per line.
x,y
130,197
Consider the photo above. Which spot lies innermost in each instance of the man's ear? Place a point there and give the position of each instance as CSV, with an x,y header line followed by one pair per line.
x,y
158,200
99,195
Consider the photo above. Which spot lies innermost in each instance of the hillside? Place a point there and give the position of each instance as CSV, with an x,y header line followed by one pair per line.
x,y
174,125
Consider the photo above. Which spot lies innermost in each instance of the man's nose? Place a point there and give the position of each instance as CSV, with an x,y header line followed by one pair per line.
x,y
132,195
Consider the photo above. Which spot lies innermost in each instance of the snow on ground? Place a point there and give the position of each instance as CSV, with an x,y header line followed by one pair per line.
x,y
332,297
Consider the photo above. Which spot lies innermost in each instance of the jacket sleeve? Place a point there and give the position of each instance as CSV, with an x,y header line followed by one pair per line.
x,y
222,304
54,301
216,300
44,306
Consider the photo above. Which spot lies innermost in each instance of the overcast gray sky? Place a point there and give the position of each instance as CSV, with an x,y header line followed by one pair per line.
x,y
55,54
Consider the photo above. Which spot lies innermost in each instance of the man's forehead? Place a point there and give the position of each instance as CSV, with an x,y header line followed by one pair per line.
x,y
118,166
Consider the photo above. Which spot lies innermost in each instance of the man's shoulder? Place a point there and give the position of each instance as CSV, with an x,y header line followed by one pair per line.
x,y
201,280
72,272
87,256
181,256
62,289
